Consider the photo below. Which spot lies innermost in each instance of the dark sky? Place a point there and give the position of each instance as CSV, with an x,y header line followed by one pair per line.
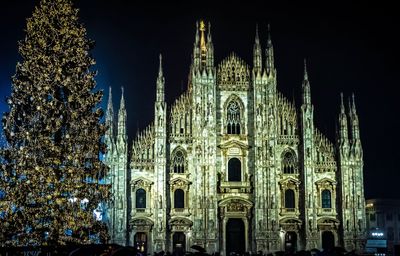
x,y
349,46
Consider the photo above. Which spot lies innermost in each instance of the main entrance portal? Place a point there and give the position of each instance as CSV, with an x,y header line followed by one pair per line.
x,y
328,240
235,236
141,242
179,243
291,242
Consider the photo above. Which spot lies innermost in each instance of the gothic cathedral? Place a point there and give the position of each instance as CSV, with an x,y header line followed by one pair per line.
x,y
233,166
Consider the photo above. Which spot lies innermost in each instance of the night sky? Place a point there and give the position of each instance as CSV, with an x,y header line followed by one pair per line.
x,y
348,47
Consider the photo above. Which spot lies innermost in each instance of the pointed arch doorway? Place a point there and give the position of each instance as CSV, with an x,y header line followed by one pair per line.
x,y
328,240
235,236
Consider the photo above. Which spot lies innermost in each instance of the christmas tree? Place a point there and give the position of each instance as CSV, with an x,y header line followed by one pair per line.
x,y
51,167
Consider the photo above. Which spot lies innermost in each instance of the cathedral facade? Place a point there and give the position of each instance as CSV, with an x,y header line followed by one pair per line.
x,y
233,166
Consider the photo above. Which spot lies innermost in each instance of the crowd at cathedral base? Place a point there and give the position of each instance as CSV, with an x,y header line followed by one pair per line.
x,y
234,166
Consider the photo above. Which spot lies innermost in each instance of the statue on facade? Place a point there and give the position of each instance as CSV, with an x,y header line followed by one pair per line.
x,y
159,202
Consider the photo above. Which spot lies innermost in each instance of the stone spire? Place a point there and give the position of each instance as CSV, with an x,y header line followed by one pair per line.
x,y
110,115
257,58
343,129
160,97
306,87
355,129
196,50
109,135
203,46
269,52
210,49
122,118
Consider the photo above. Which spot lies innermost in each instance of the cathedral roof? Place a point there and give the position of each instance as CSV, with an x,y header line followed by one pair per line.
x,y
233,74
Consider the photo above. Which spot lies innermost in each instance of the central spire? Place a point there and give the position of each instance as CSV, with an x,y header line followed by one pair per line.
x,y
203,46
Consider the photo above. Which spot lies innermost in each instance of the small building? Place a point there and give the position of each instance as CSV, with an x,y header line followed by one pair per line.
x,y
383,222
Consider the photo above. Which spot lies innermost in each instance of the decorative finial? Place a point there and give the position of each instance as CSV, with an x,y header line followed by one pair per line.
x,y
203,46
160,71
305,69
341,103
122,104
202,26
257,38
209,33
109,105
354,103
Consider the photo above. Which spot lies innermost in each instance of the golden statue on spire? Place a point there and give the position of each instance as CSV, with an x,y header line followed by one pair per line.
x,y
203,46
202,26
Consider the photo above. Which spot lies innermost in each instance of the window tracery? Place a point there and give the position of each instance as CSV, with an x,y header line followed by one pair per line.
x,y
178,162
233,118
289,165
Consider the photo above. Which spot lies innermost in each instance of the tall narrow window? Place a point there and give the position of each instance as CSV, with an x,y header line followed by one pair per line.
x,y
179,162
234,170
289,199
326,198
233,118
289,162
140,198
179,199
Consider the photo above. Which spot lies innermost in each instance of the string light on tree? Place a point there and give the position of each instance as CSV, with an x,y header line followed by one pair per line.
x,y
50,168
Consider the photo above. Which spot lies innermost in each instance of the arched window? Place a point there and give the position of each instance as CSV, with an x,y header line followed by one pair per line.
x,y
289,162
233,118
289,199
140,198
179,199
326,199
178,162
234,170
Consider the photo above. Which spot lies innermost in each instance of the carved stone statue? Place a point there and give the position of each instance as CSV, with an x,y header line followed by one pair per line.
x,y
160,202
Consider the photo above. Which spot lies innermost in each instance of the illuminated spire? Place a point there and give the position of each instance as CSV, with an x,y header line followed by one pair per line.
x,y
196,39
342,110
353,105
354,120
109,118
343,130
160,83
269,62
196,50
203,47
209,40
202,37
257,58
122,115
257,38
306,87
122,103
210,48
160,71
305,71
110,111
